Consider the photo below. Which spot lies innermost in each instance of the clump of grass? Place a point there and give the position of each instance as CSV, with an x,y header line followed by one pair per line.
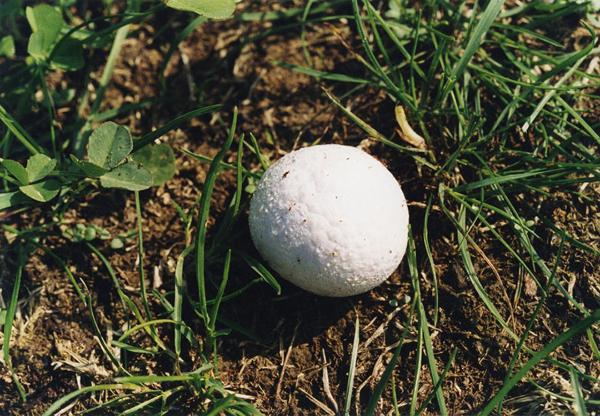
x,y
155,392
127,391
496,98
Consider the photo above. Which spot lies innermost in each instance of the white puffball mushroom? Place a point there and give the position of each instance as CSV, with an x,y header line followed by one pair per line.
x,y
330,219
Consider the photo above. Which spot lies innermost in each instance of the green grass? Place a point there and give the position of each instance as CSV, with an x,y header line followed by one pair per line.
x,y
352,368
470,104
142,323
496,93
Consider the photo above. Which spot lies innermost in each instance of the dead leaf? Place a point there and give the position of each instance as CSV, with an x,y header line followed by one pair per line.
x,y
530,286
406,131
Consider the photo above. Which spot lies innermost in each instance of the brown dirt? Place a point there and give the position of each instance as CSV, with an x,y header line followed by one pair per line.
x,y
54,349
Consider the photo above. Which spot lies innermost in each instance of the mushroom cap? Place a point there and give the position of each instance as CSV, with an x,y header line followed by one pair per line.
x,y
330,219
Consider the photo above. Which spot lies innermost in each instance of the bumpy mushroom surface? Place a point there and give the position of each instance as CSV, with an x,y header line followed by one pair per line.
x,y
331,219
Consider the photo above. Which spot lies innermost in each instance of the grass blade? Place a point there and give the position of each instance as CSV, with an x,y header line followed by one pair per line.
x,y
209,185
113,55
126,300
315,73
141,255
60,403
233,210
222,165
8,323
424,325
256,147
389,370
153,135
415,389
429,253
377,135
178,301
217,301
549,94
483,26
183,34
375,66
387,374
439,384
164,379
20,133
579,404
262,271
351,371
215,309
574,331
534,315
